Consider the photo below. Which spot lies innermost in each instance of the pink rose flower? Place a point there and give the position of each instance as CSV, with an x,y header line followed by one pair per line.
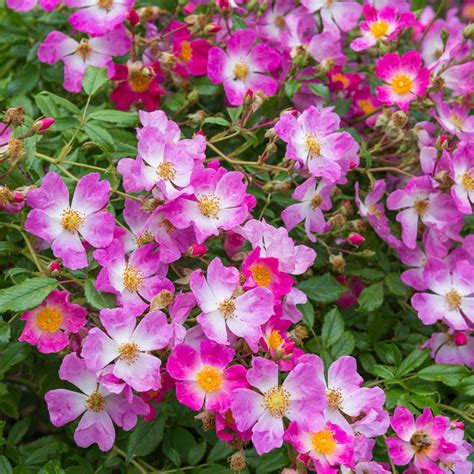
x,y
128,344
203,376
49,324
242,66
99,407
61,224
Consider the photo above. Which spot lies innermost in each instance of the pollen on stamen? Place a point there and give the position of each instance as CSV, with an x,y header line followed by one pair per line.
x,y
313,145
421,206
454,300
420,441
276,401
241,71
71,220
334,396
95,402
132,278
128,352
468,181
166,171
227,307
209,205
316,201
145,238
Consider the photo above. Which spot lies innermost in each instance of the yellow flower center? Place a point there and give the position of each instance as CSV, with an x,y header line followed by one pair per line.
x,y
313,145
420,441
227,307
375,211
84,50
323,442
334,396
454,299
105,4
169,227
457,121
71,220
128,352
95,402
209,378
145,238
421,205
468,181
139,82
276,401
275,340
209,206
401,84
241,71
366,105
316,201
186,51
132,278
166,170
379,28
261,274
49,319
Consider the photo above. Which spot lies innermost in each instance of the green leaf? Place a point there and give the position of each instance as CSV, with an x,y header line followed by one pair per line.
x,y
125,119
98,299
451,375
52,467
197,452
322,289
18,430
371,298
99,135
411,362
308,313
217,121
291,87
272,462
94,79
235,112
146,436
5,466
343,346
50,101
333,327
26,295
383,371
13,355
219,451
319,89
396,286
5,332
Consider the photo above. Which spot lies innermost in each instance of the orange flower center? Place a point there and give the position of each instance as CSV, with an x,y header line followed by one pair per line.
x,y
340,78
49,319
316,201
401,84
421,205
71,220
261,274
379,28
324,442
275,340
105,4
186,51
366,105
209,378
139,82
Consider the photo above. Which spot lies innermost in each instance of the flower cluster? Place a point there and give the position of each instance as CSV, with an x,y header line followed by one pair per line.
x,y
186,274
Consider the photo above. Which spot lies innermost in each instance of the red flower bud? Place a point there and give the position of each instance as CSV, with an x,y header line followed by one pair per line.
x,y
133,17
356,239
41,125
460,339
54,268
197,250
18,197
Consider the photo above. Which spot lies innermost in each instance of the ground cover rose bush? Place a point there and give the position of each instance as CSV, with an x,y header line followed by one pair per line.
x,y
237,237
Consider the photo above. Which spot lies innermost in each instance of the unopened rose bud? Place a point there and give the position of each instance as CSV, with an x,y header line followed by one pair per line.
x,y
214,164
460,339
211,29
223,4
457,424
338,263
54,268
133,17
14,116
18,197
41,125
468,31
197,250
237,461
356,239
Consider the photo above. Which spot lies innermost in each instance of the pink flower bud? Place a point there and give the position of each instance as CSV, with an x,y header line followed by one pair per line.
x,y
54,268
133,18
356,239
197,250
214,164
352,165
18,197
200,132
223,4
41,125
460,339
457,424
